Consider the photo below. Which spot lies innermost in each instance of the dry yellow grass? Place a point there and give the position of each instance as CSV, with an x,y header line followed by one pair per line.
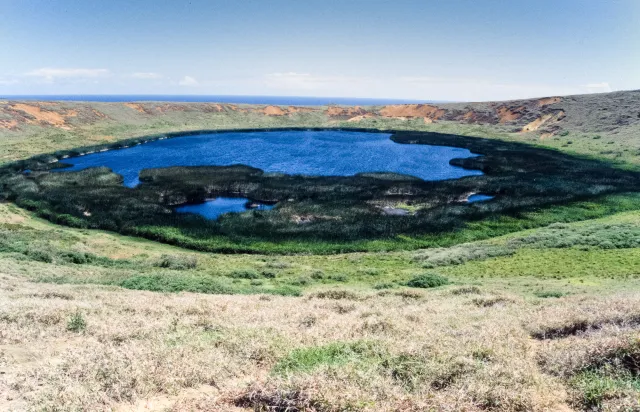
x,y
435,350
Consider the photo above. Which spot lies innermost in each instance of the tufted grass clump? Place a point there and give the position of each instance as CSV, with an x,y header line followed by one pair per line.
x,y
76,322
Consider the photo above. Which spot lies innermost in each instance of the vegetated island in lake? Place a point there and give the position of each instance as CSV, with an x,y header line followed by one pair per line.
x,y
321,214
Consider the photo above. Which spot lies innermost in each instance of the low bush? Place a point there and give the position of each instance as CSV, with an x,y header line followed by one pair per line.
x,y
76,322
244,274
177,262
40,255
427,280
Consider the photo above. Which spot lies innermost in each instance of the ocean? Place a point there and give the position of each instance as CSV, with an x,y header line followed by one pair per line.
x,y
275,100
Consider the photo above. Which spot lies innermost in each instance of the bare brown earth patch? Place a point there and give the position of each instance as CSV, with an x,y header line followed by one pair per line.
x,y
273,111
8,124
543,120
294,109
413,110
39,115
135,106
505,114
338,111
360,118
548,100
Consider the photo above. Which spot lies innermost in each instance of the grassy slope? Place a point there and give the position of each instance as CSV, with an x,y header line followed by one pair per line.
x,y
377,345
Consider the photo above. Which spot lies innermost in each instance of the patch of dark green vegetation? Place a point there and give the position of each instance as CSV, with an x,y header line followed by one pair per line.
x,y
427,280
328,214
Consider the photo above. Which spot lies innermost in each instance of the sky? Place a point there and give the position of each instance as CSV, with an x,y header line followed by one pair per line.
x,y
456,50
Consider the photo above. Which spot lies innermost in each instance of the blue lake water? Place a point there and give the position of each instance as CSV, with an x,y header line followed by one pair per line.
x,y
319,153
212,209
478,197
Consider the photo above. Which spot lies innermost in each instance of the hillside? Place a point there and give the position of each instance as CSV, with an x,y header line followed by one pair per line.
x,y
602,125
532,310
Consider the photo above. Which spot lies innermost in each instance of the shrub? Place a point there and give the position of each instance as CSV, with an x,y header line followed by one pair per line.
x,y
78,258
283,291
244,274
317,274
40,255
302,281
268,274
177,262
427,280
339,278
76,323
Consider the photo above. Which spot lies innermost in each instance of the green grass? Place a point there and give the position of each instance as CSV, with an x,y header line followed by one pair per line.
x,y
555,263
561,258
595,387
305,360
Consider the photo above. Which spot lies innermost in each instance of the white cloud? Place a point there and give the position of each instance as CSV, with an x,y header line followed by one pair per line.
x,y
188,81
50,74
147,75
598,87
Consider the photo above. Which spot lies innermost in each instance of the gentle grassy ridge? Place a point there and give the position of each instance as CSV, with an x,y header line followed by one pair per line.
x,y
576,256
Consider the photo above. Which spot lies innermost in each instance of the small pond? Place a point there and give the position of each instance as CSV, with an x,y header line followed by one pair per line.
x,y
213,208
479,197
320,153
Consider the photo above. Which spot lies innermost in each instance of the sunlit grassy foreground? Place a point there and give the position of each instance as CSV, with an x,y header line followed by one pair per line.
x,y
543,319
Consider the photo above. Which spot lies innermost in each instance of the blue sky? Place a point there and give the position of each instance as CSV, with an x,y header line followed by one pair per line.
x,y
434,50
